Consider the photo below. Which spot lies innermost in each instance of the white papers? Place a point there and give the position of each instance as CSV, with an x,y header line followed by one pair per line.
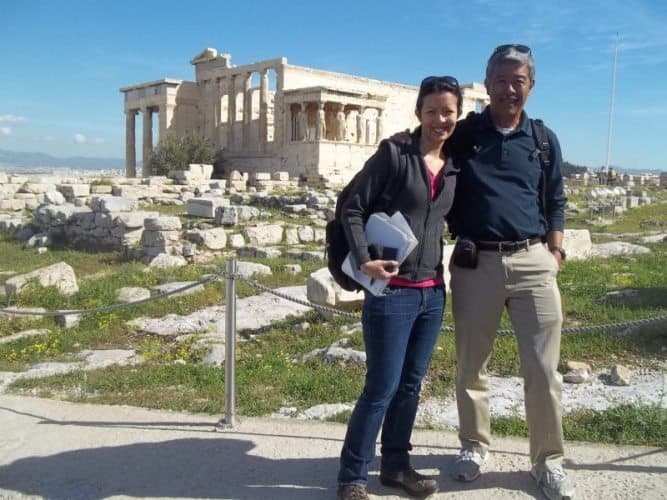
x,y
383,232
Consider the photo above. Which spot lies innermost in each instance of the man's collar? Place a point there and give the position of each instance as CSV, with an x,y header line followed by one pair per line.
x,y
487,122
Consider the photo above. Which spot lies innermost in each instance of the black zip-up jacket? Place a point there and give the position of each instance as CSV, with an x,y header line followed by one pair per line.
x,y
384,186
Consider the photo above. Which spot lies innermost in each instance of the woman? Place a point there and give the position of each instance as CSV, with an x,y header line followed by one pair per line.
x,y
402,325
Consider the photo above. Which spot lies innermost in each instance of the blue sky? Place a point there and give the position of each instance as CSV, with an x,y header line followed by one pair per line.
x,y
63,62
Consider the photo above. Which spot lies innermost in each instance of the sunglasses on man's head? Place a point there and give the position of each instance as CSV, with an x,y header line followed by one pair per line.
x,y
447,80
523,49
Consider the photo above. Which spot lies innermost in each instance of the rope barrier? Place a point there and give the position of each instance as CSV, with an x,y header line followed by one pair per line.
x,y
113,307
318,307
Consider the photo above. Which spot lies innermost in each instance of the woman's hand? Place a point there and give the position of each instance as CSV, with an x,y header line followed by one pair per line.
x,y
380,269
402,137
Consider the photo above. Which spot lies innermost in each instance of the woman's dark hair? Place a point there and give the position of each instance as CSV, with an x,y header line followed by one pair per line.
x,y
435,84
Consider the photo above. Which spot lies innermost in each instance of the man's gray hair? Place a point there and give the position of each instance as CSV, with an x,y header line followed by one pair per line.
x,y
511,54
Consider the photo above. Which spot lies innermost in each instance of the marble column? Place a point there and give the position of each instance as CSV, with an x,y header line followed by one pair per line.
x,y
214,96
361,126
321,125
130,143
264,109
247,110
302,124
379,126
147,141
231,112
340,123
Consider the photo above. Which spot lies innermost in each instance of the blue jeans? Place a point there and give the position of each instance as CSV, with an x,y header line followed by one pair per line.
x,y
400,332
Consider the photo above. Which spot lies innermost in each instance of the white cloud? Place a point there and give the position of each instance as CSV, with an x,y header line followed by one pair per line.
x,y
80,139
11,119
49,138
5,130
99,140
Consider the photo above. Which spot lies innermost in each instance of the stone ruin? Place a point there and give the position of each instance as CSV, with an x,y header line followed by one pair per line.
x,y
271,116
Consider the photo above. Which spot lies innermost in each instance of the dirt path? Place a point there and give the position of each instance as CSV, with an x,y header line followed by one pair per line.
x,y
64,450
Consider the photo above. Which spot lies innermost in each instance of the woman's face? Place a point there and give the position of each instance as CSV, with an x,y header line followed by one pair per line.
x,y
438,115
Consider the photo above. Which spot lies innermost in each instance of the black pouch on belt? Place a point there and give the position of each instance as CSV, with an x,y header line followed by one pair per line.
x,y
465,254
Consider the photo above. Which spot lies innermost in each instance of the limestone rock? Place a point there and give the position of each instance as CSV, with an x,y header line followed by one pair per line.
x,y
249,269
617,248
578,244
322,289
577,376
132,294
579,365
60,275
163,260
266,234
620,375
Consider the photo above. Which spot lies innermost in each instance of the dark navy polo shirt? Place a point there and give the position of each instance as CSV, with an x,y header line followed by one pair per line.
x,y
498,194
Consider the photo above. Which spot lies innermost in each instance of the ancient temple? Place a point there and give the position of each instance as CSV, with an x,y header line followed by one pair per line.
x,y
273,116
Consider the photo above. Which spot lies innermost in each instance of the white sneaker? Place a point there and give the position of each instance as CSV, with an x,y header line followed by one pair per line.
x,y
554,482
468,464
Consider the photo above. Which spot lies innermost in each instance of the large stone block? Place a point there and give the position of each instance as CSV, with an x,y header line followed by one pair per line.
x,y
322,289
267,234
213,239
160,238
126,191
100,189
132,220
204,207
165,223
71,191
577,243
36,187
113,204
60,275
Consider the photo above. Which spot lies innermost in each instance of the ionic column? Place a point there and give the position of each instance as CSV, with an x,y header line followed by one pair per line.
x,y
379,126
130,143
361,126
247,110
231,115
147,141
209,102
263,109
321,125
369,129
340,123
281,119
217,121
302,124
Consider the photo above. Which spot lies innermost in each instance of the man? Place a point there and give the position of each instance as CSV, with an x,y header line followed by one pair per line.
x,y
499,206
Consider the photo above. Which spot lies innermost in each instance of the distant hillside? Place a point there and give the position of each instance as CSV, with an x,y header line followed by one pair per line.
x,y
17,160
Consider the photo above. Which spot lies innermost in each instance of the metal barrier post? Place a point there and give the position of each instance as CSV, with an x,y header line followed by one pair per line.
x,y
230,346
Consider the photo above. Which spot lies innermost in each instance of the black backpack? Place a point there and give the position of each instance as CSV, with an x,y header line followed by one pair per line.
x,y
337,247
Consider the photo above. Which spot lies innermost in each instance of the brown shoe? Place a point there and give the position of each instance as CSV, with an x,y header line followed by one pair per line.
x,y
416,484
352,492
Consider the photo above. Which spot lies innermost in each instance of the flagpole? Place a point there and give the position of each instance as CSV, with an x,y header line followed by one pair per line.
x,y
611,105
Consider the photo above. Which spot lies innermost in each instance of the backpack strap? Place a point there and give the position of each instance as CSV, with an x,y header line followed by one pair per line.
x,y
544,149
395,184
542,141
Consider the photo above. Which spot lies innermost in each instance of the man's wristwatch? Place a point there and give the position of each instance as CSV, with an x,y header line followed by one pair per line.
x,y
560,250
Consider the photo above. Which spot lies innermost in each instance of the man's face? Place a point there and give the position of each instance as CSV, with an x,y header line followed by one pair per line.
x,y
509,86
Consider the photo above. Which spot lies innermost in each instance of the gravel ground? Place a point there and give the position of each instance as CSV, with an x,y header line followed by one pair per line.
x,y
53,449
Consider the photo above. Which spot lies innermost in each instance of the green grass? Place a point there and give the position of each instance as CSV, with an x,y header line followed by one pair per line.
x,y
629,424
269,371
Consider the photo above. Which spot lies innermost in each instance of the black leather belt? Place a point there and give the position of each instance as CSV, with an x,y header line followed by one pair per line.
x,y
507,246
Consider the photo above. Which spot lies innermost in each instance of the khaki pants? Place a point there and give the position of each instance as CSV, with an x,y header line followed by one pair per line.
x,y
525,283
